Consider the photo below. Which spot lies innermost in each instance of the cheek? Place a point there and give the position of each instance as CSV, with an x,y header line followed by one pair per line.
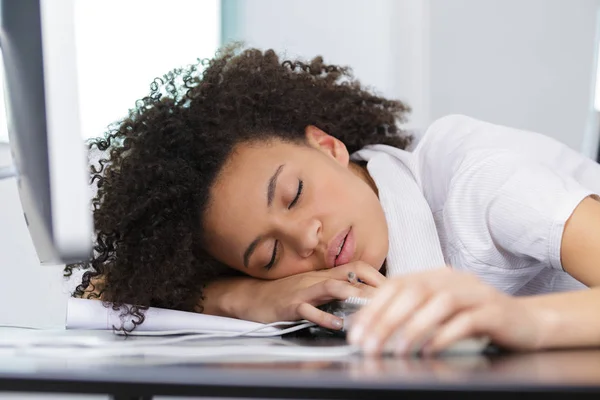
x,y
333,192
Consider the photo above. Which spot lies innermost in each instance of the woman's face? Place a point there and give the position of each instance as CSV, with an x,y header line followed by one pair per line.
x,y
279,209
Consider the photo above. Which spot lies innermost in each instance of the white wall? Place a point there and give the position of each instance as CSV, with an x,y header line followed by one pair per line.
x,y
30,295
524,63
374,37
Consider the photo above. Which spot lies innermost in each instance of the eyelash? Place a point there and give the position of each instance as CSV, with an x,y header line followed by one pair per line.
x,y
300,187
292,204
272,262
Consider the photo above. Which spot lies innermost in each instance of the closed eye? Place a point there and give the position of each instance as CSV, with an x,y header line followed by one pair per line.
x,y
292,204
300,186
273,257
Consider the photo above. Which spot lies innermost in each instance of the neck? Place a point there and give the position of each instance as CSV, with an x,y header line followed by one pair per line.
x,y
361,171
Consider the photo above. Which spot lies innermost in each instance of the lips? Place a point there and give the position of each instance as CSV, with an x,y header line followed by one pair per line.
x,y
346,240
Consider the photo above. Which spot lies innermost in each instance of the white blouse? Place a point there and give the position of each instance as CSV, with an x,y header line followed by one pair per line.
x,y
498,199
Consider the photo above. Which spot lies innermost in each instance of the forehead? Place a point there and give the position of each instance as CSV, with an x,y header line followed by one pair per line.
x,y
239,195
250,162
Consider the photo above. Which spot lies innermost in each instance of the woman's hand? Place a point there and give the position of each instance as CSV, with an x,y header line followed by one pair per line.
x,y
295,297
442,307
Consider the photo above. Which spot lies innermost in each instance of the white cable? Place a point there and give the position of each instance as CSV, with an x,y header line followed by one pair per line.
x,y
7,172
197,331
250,333
296,325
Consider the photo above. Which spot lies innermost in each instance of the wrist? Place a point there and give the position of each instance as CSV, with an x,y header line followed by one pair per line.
x,y
228,297
548,322
567,319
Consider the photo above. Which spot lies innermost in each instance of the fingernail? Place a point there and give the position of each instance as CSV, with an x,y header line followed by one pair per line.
x,y
356,334
338,323
371,346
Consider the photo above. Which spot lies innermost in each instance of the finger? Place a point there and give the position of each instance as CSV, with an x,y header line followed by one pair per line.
x,y
393,316
435,312
319,317
328,290
366,291
417,287
363,319
365,272
473,322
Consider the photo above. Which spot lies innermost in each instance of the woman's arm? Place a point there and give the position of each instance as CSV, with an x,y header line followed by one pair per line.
x,y
224,297
573,319
580,246
445,306
570,319
291,298
287,299
456,305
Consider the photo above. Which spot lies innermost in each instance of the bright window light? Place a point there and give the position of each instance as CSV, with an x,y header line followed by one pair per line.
x,y
123,45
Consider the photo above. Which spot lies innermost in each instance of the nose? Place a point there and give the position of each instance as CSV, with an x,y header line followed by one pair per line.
x,y
305,236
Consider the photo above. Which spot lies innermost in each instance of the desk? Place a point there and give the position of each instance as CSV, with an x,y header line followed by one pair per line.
x,y
564,374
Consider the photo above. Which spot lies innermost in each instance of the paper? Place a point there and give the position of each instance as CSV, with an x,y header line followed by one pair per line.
x,y
91,314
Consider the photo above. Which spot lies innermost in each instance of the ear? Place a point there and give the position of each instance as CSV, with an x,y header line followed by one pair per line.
x,y
329,145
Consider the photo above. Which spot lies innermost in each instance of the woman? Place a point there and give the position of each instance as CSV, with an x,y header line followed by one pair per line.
x,y
250,190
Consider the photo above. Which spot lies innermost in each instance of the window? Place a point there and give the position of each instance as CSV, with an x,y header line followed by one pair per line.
x,y
123,45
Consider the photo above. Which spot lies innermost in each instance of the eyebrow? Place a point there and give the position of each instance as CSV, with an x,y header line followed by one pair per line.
x,y
273,185
270,195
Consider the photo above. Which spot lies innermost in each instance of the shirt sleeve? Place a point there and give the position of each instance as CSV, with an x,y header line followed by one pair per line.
x,y
520,205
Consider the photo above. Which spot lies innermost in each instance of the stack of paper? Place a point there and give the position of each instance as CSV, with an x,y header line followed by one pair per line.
x,y
92,314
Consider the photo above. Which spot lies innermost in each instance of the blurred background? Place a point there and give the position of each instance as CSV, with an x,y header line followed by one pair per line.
x,y
530,64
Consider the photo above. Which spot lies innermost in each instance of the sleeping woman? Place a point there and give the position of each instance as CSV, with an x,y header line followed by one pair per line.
x,y
249,187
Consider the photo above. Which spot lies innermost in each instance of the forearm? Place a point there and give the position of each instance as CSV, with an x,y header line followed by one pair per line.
x,y
570,319
228,297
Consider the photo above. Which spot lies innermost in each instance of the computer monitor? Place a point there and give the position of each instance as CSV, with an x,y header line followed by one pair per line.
x,y
38,48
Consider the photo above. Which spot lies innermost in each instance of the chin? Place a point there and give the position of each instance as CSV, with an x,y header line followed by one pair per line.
x,y
375,262
379,267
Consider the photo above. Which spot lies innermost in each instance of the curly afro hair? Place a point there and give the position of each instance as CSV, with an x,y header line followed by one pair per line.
x,y
160,163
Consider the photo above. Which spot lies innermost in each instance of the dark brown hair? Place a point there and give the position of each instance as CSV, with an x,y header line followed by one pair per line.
x,y
153,184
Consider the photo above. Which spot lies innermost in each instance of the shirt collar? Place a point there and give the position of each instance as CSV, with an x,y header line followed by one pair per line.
x,y
414,244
